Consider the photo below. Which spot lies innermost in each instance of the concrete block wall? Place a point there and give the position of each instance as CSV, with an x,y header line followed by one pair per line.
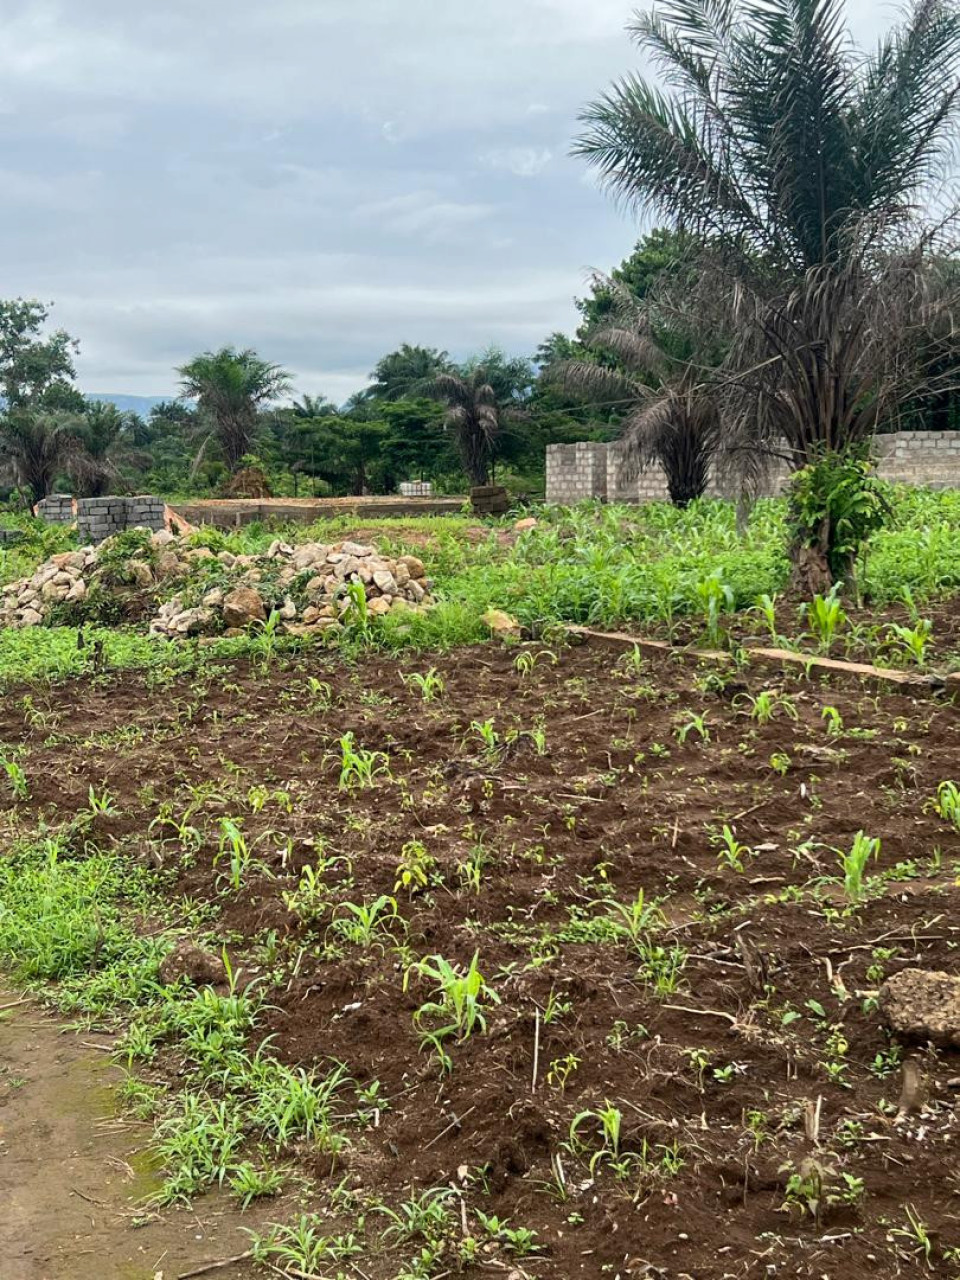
x,y
416,488
930,458
57,508
99,518
576,471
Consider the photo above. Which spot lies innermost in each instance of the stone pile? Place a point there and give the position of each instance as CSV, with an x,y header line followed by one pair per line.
x,y
309,585
63,578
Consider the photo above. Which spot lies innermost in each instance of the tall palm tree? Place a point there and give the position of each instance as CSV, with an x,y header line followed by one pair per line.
x,y
472,416
670,413
35,448
806,167
230,387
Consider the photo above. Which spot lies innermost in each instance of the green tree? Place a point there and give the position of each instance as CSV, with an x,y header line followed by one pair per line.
x,y
654,372
231,387
36,384
807,168
400,372
106,439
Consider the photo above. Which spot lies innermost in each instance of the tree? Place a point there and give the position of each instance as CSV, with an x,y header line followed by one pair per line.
x,y
313,407
399,373
231,387
106,444
36,384
654,372
476,396
806,167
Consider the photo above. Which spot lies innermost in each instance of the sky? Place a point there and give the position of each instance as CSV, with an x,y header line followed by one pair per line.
x,y
320,180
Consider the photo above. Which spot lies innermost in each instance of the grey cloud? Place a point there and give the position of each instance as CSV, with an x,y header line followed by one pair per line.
x,y
320,179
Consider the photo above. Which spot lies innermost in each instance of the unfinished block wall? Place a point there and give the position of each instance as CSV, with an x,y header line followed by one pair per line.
x,y
99,518
590,470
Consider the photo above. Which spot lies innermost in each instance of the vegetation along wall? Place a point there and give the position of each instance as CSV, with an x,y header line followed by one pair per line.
x,y
590,469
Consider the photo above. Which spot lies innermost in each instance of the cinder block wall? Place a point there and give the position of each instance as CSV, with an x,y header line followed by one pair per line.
x,y
576,471
57,508
590,470
99,518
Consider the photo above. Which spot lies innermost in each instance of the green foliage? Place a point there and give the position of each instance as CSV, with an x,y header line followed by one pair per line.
x,y
837,503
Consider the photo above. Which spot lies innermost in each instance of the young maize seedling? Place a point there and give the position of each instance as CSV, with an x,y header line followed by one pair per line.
x,y
853,864
430,685
462,994
359,767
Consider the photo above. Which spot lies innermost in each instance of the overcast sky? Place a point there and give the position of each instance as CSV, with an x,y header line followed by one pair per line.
x,y
318,179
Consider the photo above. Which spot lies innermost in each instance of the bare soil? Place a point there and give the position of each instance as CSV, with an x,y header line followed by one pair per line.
x,y
74,1172
734,1070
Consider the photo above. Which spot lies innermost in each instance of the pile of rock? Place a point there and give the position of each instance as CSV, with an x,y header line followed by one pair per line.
x,y
321,573
62,578
309,585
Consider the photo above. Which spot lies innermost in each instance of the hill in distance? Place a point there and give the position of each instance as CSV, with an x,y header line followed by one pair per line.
x,y
129,404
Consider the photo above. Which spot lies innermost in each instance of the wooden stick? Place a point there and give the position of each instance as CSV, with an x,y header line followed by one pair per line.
x,y
787,657
218,1265
536,1051
705,1013
452,1125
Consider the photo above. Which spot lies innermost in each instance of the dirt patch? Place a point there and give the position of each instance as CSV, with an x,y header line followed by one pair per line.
x,y
737,1037
74,1174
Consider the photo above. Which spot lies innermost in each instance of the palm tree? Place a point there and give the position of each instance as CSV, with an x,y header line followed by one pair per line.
x,y
805,166
472,416
35,447
670,414
230,387
308,407
104,438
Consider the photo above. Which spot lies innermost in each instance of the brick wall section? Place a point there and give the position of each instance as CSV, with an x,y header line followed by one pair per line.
x,y
57,508
576,471
99,518
590,470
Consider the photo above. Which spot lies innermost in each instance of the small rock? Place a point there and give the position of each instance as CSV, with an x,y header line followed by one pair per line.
x,y
288,610
528,522
30,618
139,573
162,538
194,963
924,1005
242,607
413,565
386,582
357,550
500,623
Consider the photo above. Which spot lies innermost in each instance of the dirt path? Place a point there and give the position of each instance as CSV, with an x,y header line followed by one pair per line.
x,y
72,1172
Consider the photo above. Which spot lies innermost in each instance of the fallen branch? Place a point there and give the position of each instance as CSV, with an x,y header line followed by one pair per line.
x,y
705,1013
217,1265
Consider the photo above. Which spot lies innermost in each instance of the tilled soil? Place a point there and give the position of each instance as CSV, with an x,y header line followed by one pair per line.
x,y
764,1060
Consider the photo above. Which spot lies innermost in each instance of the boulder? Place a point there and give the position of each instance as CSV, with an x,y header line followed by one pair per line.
x,y
242,607
924,1005
192,963
413,566
139,573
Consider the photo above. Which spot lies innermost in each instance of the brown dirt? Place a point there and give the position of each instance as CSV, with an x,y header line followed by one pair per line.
x,y
615,804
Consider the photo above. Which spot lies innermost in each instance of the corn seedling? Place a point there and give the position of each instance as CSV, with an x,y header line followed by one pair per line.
x,y
249,1183
689,722
102,803
635,920
415,868
16,778
834,721
662,967
913,641
947,803
825,617
853,864
359,767
362,923
526,661
766,607
765,706
486,732
714,598
462,994
233,846
429,685
731,853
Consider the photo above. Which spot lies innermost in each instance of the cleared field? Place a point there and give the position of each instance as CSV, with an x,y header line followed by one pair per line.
x,y
540,959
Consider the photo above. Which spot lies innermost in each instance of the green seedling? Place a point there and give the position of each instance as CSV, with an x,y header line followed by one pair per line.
x,y
430,685
853,864
360,768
